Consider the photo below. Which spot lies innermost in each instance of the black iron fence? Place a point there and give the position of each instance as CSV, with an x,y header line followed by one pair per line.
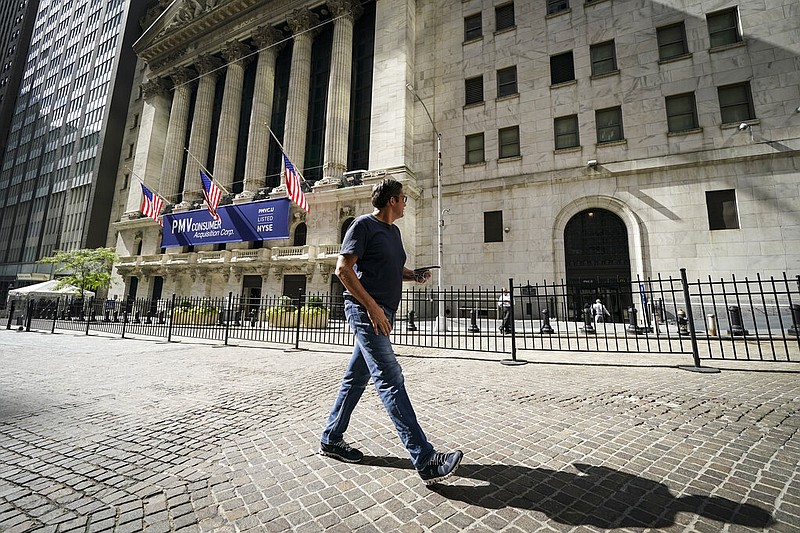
x,y
752,319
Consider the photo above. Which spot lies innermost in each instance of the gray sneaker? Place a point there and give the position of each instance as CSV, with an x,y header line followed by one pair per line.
x,y
342,451
440,466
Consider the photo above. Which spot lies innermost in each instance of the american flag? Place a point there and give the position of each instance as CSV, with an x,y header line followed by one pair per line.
x,y
151,205
293,184
211,193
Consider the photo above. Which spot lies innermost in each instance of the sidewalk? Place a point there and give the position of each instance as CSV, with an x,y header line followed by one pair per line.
x,y
107,434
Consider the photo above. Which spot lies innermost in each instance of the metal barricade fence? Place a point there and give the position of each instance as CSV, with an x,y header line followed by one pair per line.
x,y
737,319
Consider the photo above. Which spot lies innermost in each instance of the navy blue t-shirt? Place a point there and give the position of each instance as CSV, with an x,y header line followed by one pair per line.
x,y
381,258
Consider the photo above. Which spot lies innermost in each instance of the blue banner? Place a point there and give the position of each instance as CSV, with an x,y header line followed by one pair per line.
x,y
253,221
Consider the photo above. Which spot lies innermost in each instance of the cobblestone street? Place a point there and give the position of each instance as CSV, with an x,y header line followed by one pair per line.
x,y
106,434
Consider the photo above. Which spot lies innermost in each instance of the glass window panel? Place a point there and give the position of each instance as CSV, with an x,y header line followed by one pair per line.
x,y
509,142
681,112
609,124
507,81
723,27
566,132
736,103
473,27
604,58
671,41
474,148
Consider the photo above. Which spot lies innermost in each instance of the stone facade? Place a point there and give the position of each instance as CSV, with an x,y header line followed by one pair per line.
x,y
665,182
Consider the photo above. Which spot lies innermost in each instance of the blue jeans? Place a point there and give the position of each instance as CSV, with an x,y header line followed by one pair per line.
x,y
373,357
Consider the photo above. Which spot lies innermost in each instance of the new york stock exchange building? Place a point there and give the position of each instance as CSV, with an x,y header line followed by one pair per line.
x,y
577,141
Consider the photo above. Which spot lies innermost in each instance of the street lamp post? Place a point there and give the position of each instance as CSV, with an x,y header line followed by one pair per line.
x,y
442,322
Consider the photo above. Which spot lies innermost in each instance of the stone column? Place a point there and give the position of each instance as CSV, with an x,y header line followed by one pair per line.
x,y
294,137
176,134
258,139
207,67
150,143
225,155
337,121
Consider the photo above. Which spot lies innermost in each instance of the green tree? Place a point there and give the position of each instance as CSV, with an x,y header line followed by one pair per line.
x,y
87,269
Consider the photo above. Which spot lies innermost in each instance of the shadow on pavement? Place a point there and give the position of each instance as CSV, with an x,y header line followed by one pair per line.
x,y
595,495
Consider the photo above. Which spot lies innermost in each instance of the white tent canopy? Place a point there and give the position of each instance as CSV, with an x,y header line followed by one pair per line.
x,y
46,289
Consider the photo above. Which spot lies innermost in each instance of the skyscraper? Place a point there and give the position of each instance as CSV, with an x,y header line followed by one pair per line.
x,y
16,25
60,158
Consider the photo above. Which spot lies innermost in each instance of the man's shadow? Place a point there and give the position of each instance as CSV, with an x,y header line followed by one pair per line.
x,y
594,495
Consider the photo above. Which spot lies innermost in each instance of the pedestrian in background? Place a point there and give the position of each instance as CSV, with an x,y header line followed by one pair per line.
x,y
504,303
599,312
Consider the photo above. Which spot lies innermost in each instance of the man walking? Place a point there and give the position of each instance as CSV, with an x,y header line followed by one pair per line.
x,y
371,266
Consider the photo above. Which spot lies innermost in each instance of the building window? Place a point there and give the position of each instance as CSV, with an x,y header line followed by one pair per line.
x,y
722,212
509,142
493,226
473,27
609,124
474,149
723,27
300,235
504,17
557,6
473,90
681,112
671,41
604,58
736,103
507,81
566,132
562,68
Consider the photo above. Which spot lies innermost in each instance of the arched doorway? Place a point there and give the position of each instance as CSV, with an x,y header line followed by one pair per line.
x,y
597,262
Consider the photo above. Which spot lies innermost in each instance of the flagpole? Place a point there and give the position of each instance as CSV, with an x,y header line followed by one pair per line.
x,y
138,177
208,172
283,150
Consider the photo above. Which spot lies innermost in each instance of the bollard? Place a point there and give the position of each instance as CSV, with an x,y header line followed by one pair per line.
x,y
473,322
546,328
735,316
411,326
683,322
632,322
795,329
588,324
712,326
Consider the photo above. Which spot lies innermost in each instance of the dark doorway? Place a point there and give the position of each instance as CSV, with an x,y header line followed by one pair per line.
x,y
251,296
337,298
597,262
158,287
292,283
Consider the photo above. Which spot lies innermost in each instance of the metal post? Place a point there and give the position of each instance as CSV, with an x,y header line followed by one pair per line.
x,y
513,361
55,315
692,333
297,326
227,317
546,328
89,314
171,317
441,322
29,315
11,313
